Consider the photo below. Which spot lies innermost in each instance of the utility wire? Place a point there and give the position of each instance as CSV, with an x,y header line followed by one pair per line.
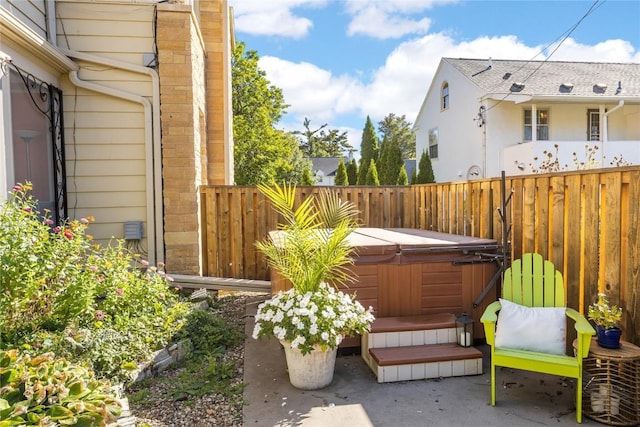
x,y
563,37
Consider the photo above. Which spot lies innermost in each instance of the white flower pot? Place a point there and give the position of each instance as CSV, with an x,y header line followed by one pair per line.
x,y
311,371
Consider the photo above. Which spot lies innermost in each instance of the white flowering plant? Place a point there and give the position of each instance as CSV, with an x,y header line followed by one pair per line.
x,y
311,251
313,319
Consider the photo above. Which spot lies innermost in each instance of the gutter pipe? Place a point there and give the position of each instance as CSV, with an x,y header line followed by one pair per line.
x,y
605,125
153,155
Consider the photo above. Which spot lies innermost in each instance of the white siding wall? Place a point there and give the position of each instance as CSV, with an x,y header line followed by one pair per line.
x,y
32,13
461,140
105,145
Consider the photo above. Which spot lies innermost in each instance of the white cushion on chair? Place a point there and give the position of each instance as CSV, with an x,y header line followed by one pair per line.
x,y
539,329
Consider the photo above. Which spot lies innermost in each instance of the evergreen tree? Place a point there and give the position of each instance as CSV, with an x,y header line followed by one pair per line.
x,y
398,127
402,177
393,164
372,174
425,172
368,150
414,176
383,159
307,178
322,142
341,174
352,172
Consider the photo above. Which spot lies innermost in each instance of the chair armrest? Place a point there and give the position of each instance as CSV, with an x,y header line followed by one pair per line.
x,y
489,319
585,332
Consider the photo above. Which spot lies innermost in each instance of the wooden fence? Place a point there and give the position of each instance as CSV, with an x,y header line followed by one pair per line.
x,y
586,222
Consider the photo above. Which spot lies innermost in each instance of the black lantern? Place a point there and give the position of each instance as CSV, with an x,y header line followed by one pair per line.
x,y
464,330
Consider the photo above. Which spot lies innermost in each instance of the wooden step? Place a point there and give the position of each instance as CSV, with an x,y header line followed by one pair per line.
x,y
413,323
422,354
420,362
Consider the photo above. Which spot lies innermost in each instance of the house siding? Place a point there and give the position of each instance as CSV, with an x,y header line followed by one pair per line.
x,y
31,13
106,160
499,143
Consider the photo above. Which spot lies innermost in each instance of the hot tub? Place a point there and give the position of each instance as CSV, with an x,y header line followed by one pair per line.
x,y
407,272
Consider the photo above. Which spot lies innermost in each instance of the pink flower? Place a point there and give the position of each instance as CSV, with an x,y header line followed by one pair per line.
x,y
84,220
48,221
17,188
119,291
144,262
68,234
93,268
56,229
27,209
99,315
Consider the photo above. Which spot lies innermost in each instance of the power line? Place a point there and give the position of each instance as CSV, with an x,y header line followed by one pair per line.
x,y
563,37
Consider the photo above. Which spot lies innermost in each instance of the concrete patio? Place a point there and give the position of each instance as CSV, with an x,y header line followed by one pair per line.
x,y
355,398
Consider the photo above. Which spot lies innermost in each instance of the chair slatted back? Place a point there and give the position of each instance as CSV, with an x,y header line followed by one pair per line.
x,y
533,281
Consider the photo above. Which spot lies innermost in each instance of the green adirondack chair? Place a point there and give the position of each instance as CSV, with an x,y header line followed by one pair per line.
x,y
534,282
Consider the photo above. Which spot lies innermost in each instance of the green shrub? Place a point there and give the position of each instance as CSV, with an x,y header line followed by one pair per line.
x,y
46,391
209,334
44,279
100,306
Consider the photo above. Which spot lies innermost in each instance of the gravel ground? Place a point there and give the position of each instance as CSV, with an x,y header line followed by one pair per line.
x,y
153,401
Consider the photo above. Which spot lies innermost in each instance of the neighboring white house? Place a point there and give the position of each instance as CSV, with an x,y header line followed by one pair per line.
x,y
482,116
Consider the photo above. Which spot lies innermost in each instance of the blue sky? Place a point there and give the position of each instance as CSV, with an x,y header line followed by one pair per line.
x,y
338,61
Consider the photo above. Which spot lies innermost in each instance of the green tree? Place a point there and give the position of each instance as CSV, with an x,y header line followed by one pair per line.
x,y
425,173
341,174
414,176
390,162
307,178
402,176
372,174
398,127
322,142
381,161
352,172
262,153
368,150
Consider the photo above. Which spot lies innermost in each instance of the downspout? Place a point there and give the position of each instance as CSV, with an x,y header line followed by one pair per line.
x,y
152,141
605,126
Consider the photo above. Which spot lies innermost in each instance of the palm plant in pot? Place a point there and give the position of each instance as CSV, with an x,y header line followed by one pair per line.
x,y
606,318
311,250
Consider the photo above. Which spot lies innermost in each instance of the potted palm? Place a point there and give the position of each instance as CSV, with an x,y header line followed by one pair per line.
x,y
606,318
311,250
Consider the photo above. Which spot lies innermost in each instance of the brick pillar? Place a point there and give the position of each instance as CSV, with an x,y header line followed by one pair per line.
x,y
183,112
215,34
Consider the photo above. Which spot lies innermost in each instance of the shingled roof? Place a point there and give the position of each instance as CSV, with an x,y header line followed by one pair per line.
x,y
552,79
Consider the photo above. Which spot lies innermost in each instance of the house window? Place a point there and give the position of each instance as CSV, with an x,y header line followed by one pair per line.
x,y
445,96
542,128
593,123
37,147
433,143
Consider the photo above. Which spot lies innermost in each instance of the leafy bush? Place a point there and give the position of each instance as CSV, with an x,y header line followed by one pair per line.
x,y
209,334
46,391
44,279
101,306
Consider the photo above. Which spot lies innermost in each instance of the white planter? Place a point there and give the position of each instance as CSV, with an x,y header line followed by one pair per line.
x,y
311,371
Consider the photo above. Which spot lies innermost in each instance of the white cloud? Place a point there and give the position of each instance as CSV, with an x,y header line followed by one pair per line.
x,y
400,85
607,51
311,91
274,18
390,18
376,23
